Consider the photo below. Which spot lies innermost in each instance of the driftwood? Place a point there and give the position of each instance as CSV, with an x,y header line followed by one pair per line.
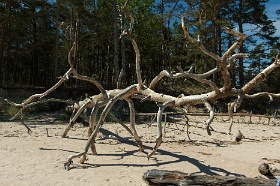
x,y
163,177
144,91
270,168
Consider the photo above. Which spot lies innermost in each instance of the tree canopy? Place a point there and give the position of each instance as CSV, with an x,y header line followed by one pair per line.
x,y
36,36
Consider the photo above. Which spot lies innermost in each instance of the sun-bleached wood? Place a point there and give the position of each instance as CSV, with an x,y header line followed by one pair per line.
x,y
107,98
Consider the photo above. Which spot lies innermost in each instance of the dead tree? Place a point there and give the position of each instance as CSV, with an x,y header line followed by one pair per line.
x,y
107,98
226,62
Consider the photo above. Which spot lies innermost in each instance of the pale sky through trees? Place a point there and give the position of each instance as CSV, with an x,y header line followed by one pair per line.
x,y
271,8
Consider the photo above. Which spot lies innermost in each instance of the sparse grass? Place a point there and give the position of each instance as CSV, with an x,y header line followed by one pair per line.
x,y
63,117
11,110
7,111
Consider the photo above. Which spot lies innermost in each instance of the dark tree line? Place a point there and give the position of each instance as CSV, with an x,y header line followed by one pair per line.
x,y
36,36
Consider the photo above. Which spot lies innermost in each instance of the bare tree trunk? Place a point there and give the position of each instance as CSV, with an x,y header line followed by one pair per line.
x,y
56,40
35,58
241,50
107,66
163,45
122,75
6,45
77,48
233,70
241,68
116,38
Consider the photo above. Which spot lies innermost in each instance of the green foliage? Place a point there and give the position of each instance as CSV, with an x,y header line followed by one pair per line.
x,y
35,35
95,76
6,110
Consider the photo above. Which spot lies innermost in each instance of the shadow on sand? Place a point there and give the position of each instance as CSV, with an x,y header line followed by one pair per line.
x,y
205,169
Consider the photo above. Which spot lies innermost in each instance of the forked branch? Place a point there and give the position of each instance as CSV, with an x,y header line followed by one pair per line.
x,y
107,98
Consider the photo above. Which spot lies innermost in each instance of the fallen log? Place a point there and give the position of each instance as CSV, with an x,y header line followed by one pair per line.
x,y
163,177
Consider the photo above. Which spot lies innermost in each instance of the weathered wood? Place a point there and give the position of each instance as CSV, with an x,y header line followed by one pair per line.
x,y
207,114
163,177
144,91
239,136
270,168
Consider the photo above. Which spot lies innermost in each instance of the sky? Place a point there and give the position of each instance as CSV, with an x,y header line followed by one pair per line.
x,y
271,7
